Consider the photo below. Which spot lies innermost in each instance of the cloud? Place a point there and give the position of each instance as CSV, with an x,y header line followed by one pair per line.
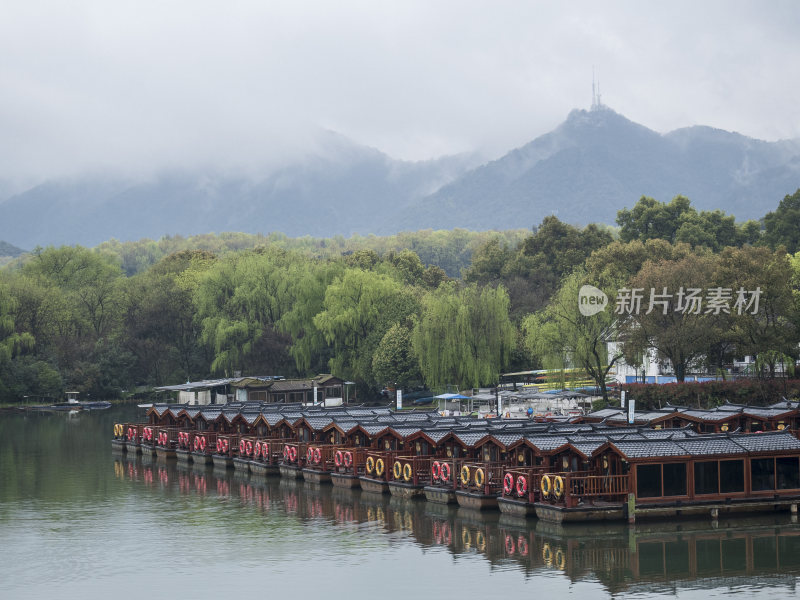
x,y
142,85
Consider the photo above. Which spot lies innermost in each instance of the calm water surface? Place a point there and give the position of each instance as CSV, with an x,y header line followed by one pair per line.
x,y
80,521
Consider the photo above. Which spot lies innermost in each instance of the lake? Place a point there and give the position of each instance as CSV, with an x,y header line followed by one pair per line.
x,y
78,520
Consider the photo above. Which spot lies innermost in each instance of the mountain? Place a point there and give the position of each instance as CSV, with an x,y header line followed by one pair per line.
x,y
592,165
342,188
597,162
7,250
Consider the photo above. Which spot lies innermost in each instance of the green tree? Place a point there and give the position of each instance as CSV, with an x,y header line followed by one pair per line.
x,y
782,226
561,336
394,360
464,335
358,309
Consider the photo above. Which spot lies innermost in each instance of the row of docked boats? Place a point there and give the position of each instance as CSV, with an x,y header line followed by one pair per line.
x,y
564,471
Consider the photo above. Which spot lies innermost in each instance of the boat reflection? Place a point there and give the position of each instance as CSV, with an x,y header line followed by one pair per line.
x,y
651,557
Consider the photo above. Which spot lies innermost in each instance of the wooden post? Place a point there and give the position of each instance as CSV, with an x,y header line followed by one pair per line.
x,y
631,508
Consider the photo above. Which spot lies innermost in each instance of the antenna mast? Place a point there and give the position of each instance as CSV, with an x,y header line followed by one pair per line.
x,y
596,103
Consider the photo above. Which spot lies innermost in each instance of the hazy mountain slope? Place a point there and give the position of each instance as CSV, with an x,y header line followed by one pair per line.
x,y
598,162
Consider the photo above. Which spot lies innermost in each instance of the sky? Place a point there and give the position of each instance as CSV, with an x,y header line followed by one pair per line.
x,y
90,85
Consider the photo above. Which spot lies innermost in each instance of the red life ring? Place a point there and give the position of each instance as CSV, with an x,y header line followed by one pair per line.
x,y
286,453
249,448
219,446
522,485
436,470
196,444
338,458
317,456
292,454
310,454
241,447
348,459
258,448
445,472
225,445
508,483
203,444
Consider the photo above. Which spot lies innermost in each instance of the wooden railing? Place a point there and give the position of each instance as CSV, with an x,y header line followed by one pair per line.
x,y
444,472
414,470
204,442
480,477
227,445
353,461
166,437
323,457
378,464
525,484
294,453
571,488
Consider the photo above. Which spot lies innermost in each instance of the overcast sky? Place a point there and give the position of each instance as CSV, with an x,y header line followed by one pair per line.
x,y
110,83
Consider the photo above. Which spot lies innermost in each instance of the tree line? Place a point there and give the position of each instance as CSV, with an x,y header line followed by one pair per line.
x,y
432,308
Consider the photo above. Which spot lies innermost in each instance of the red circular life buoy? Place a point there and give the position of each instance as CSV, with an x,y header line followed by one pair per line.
x,y
310,454
348,459
203,444
436,470
338,458
292,454
522,485
258,449
219,446
196,444
286,453
249,448
225,445
445,472
508,483
242,447
317,456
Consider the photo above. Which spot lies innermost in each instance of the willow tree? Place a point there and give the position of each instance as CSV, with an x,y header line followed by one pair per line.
x,y
239,303
464,335
358,309
562,336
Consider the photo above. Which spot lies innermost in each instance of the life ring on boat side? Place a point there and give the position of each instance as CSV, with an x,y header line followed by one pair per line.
x,y
397,470
464,475
546,486
249,447
286,453
522,485
407,472
225,445
348,459
508,483
370,465
436,470
379,467
310,455
292,454
558,487
242,447
203,444
479,477
445,472
317,456
338,458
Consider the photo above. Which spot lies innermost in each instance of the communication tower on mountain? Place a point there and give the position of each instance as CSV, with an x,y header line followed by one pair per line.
x,y
596,103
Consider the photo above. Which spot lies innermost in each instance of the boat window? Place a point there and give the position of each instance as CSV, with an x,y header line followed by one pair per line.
x,y
706,477
675,479
762,474
788,472
648,481
731,476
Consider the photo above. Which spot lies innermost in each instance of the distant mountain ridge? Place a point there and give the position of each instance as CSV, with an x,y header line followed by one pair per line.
x,y
585,170
598,162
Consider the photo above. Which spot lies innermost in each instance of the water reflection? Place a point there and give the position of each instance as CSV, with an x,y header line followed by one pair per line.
x,y
99,520
654,557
